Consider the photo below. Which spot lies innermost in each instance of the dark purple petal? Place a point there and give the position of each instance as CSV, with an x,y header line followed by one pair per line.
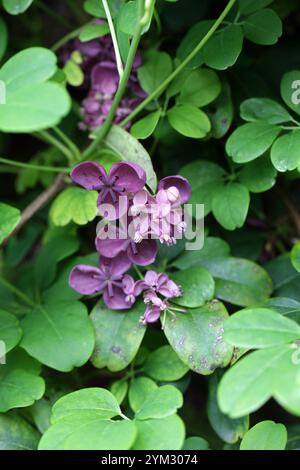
x,y
118,265
90,48
87,174
111,248
180,183
117,301
112,206
130,176
85,279
105,78
144,253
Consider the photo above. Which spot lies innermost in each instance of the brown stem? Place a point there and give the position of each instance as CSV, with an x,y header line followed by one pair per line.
x,y
38,203
292,209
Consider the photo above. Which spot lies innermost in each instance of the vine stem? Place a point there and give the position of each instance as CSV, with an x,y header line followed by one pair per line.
x,y
120,91
161,88
17,292
32,166
50,139
71,35
114,38
38,203
71,145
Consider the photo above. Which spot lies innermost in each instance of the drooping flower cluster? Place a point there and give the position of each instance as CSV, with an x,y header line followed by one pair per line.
x,y
98,63
133,221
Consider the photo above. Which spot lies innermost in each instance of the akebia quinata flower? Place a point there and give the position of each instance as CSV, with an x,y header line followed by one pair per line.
x,y
134,222
114,187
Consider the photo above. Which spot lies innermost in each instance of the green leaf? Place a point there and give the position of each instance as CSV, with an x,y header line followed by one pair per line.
x,y
85,401
94,8
34,108
260,328
255,378
128,17
130,149
119,389
3,38
157,67
250,141
17,434
239,281
31,104
10,331
29,67
263,27
139,390
230,205
191,40
258,176
189,121
204,176
229,430
195,443
118,336
221,114
45,268
20,384
162,402
78,432
265,435
285,306
290,90
213,248
197,284
264,109
15,7
285,153
295,256
69,341
200,88
197,337
146,126
164,365
160,434
10,217
93,31
224,48
74,205
73,73
249,6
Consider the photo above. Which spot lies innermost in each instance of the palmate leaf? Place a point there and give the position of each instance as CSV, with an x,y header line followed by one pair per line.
x,y
16,7
265,435
16,433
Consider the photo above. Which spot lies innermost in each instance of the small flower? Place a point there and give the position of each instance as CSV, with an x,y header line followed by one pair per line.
x,y
107,279
122,179
180,183
142,253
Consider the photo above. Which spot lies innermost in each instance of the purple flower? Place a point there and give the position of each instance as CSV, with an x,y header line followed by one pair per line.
x,y
108,279
161,284
153,284
151,315
178,182
123,178
142,254
105,78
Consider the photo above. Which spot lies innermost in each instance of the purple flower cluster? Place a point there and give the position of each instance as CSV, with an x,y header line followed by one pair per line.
x,y
133,222
101,81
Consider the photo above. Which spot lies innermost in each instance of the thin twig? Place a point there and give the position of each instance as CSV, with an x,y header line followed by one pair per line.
x,y
38,203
